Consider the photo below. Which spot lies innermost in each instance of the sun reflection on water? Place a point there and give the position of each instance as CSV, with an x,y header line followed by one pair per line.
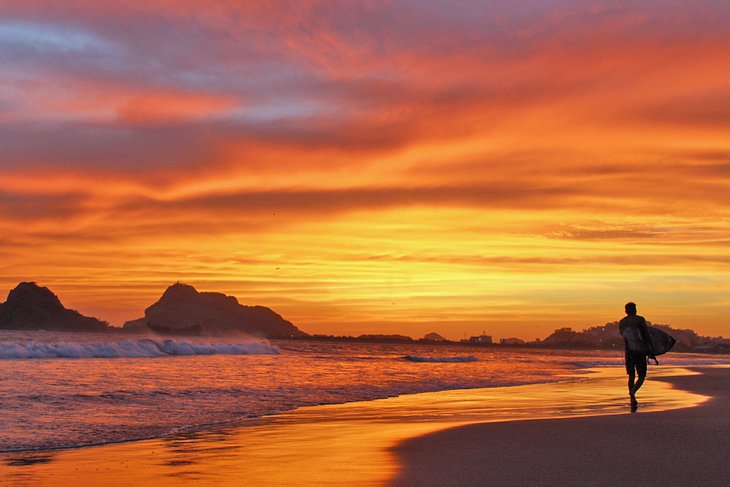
x,y
338,443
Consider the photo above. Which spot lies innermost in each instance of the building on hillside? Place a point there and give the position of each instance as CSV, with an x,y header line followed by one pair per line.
x,y
481,339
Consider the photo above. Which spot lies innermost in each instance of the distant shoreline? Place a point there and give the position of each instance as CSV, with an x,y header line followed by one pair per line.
x,y
117,331
183,311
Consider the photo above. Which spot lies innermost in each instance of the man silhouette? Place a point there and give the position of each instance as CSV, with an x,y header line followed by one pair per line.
x,y
634,325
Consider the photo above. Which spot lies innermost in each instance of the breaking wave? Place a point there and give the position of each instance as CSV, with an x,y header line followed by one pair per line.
x,y
142,348
463,358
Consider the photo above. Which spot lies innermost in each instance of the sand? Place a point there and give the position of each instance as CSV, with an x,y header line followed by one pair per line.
x,y
421,439
689,446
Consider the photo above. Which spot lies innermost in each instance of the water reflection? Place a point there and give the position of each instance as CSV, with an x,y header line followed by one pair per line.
x,y
344,443
25,459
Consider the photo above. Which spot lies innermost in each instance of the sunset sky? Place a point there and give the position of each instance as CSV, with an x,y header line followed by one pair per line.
x,y
372,166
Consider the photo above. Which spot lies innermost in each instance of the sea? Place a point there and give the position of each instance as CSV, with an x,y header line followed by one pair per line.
x,y
65,390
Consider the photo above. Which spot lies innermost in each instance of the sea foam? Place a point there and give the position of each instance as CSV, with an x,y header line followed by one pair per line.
x,y
140,348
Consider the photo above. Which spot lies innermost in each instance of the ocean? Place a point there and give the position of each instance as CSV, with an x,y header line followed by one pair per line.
x,y
73,389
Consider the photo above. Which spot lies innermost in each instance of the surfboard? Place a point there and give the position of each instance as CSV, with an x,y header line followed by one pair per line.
x,y
660,342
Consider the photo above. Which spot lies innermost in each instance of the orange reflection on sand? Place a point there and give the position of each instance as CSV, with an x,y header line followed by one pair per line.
x,y
334,444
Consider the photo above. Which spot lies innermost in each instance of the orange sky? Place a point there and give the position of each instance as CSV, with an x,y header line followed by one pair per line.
x,y
372,167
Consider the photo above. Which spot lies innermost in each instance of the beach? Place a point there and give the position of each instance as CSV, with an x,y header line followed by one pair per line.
x,y
569,432
680,447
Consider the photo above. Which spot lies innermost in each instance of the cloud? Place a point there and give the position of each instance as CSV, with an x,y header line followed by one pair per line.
x,y
352,199
49,38
696,111
161,107
233,83
254,211
27,208
577,264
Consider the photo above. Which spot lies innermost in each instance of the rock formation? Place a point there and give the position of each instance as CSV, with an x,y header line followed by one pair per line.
x,y
182,310
32,307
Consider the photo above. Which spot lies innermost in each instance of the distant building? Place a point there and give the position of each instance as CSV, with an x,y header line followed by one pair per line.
x,y
481,339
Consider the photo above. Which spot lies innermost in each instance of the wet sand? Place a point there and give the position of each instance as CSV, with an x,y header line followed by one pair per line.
x,y
680,447
389,440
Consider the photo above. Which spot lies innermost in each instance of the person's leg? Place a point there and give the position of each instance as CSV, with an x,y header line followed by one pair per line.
x,y
640,364
638,383
633,387
630,370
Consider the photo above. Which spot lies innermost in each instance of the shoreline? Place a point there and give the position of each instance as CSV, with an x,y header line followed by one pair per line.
x,y
351,442
245,422
589,373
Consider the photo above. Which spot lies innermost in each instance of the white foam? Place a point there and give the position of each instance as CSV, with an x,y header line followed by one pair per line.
x,y
462,358
128,348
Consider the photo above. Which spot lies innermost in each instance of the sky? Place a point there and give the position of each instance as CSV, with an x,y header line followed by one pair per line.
x,y
468,167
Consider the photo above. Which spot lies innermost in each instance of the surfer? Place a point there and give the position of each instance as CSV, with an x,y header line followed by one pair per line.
x,y
635,360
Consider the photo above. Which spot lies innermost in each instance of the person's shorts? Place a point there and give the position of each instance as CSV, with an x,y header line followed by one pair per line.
x,y
635,361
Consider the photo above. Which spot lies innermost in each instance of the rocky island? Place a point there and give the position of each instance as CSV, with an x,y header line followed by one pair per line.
x,y
182,310
33,307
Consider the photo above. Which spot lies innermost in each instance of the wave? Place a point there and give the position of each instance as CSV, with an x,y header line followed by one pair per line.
x,y
143,348
462,358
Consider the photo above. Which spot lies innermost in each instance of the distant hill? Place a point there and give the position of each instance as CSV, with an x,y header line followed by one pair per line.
x,y
433,337
384,338
32,307
608,337
182,310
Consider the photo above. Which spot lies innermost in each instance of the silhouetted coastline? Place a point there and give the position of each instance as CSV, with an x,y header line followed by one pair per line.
x,y
184,311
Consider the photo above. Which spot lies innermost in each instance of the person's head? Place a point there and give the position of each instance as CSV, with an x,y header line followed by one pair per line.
x,y
630,309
